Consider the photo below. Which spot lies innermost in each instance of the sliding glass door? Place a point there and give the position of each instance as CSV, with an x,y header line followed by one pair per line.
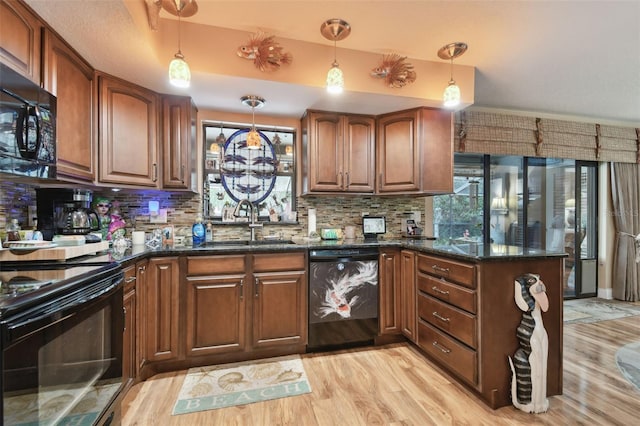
x,y
583,278
538,203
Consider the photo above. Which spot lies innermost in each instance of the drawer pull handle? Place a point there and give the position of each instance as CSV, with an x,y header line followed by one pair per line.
x,y
437,290
241,289
440,269
130,280
257,286
442,348
440,317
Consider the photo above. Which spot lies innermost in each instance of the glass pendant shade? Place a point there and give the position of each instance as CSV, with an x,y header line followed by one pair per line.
x,y
253,140
451,95
335,79
179,73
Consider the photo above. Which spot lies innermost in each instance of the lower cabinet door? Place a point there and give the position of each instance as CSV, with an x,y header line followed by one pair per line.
x,y
215,314
161,317
279,309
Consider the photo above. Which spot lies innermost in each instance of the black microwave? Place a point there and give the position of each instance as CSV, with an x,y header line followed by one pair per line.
x,y
27,127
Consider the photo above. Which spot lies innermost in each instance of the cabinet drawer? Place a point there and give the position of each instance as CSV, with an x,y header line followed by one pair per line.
x,y
275,262
439,288
457,323
455,356
216,265
462,273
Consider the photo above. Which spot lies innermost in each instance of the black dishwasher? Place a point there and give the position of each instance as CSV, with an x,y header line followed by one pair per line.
x,y
343,298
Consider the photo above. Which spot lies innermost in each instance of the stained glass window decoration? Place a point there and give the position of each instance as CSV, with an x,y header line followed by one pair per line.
x,y
248,174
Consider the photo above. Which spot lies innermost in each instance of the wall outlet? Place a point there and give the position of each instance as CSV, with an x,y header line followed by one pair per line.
x,y
161,217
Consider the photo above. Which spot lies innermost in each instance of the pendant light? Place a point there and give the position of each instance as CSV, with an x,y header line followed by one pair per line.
x,y
335,29
451,96
253,138
179,73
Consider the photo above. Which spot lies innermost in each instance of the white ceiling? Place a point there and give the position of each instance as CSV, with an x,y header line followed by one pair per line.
x,y
579,59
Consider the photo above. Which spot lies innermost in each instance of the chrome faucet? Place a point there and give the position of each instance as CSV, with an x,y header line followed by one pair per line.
x,y
252,216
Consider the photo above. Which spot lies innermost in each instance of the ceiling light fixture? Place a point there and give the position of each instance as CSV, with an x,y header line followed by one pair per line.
x,y
335,29
253,138
451,51
179,72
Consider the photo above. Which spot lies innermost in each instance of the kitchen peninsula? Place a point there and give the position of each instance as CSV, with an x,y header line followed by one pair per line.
x,y
454,301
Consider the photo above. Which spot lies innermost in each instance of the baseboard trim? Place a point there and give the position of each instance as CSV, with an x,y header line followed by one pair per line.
x,y
605,293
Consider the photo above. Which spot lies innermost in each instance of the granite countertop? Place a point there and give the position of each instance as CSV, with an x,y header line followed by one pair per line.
x,y
469,251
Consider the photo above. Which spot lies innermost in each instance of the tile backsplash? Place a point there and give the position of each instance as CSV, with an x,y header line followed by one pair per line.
x,y
182,208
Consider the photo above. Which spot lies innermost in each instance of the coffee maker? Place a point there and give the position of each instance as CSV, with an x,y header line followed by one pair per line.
x,y
64,211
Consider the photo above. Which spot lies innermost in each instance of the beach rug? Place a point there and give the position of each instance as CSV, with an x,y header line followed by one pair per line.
x,y
226,385
594,310
628,361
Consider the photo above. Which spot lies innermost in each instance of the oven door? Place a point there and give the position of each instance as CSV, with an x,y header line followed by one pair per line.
x,y
62,361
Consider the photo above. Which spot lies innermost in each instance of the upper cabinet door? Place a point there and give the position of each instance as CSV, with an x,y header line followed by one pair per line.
x,y
398,153
436,139
20,39
178,124
71,80
128,134
325,152
359,153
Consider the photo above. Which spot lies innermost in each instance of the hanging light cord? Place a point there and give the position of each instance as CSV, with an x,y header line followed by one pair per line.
x,y
179,25
451,70
253,115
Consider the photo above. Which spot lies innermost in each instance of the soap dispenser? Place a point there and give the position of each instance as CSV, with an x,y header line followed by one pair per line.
x,y
198,231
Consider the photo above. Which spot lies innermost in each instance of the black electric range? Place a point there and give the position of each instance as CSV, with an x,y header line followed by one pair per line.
x,y
61,341
24,284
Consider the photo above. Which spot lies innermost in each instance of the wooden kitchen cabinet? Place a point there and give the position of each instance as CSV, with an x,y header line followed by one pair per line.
x,y
128,137
216,292
408,293
140,308
446,331
179,121
130,319
20,35
338,153
260,303
72,80
389,273
279,299
415,152
468,320
161,309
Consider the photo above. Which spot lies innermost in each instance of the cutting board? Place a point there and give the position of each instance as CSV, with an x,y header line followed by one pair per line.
x,y
53,253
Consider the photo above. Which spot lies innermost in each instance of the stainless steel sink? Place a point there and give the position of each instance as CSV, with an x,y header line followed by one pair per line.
x,y
247,243
264,242
227,243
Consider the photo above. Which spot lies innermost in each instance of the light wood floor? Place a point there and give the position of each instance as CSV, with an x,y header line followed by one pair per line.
x,y
396,385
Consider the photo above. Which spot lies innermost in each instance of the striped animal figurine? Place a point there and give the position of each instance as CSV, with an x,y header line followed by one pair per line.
x,y
529,363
